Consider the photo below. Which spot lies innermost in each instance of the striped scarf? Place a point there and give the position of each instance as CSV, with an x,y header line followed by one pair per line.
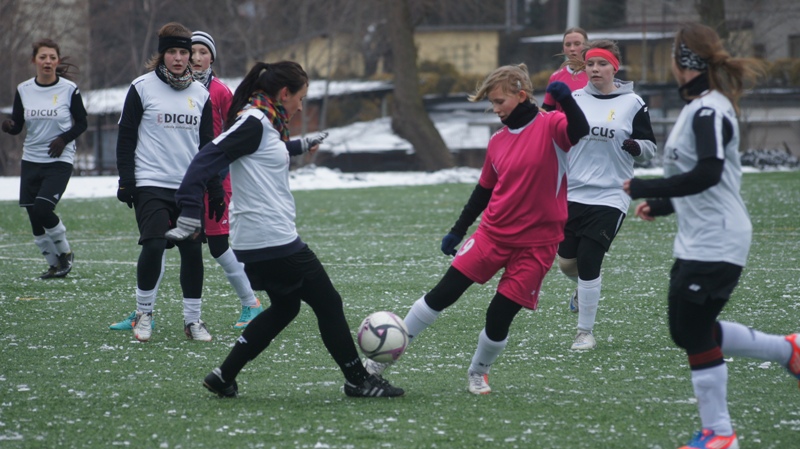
x,y
273,110
174,81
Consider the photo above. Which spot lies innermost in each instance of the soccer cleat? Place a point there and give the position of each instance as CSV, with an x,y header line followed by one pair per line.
x,y
64,264
794,361
127,323
247,315
373,387
573,302
375,368
583,341
50,273
143,325
707,439
217,385
197,331
478,383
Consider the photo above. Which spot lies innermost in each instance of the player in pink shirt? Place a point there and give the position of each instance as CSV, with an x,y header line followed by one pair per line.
x,y
216,226
522,193
575,41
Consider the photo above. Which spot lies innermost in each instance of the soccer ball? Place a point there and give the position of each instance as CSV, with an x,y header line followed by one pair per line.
x,y
383,337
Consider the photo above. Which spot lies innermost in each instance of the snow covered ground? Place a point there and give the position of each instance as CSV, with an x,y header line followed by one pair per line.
x,y
308,178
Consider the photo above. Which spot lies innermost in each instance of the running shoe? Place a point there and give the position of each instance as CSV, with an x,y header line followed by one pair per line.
x,y
197,331
584,341
707,439
373,387
217,385
247,315
478,383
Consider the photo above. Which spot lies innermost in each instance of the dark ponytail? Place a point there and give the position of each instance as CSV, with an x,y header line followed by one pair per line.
x,y
269,78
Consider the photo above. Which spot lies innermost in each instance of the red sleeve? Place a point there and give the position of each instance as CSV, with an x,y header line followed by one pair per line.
x,y
488,178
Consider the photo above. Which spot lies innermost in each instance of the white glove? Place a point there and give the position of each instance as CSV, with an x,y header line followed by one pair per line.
x,y
308,143
185,228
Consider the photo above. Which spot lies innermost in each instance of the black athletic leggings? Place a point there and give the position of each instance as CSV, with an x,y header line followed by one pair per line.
x,y
590,255
42,215
499,315
148,269
288,281
217,244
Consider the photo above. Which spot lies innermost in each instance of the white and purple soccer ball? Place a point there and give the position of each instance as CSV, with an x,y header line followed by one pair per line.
x,y
383,337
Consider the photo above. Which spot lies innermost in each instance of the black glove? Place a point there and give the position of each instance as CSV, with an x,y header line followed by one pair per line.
x,y
126,193
559,91
216,208
8,125
631,147
308,143
449,243
56,147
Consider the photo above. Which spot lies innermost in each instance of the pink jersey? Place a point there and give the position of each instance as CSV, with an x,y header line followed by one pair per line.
x,y
221,97
574,81
526,168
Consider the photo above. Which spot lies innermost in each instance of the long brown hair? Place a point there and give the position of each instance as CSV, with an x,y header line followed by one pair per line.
x,y
63,66
726,74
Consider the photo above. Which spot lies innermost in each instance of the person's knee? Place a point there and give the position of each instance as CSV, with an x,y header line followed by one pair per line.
x,y
43,213
568,266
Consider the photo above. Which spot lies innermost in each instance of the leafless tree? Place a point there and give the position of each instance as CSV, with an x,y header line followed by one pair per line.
x,y
409,118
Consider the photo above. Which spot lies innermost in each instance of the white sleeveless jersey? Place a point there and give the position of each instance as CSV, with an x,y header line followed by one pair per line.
x,y
262,206
713,225
597,164
168,132
47,115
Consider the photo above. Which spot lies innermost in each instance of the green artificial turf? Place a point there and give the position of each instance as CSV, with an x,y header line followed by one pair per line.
x,y
66,381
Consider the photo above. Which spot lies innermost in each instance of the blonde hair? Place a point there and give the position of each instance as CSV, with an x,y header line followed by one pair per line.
x,y
726,74
511,78
170,29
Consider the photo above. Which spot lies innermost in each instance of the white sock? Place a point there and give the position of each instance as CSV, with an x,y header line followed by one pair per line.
x,y
419,318
711,390
47,248
234,271
145,300
740,340
588,300
58,235
486,353
191,310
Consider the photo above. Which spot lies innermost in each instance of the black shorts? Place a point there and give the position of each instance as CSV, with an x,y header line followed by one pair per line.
x,y
284,275
45,181
698,282
156,212
599,223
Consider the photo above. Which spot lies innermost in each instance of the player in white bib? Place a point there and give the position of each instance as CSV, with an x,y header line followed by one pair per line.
x,y
619,135
263,231
51,107
701,185
166,118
